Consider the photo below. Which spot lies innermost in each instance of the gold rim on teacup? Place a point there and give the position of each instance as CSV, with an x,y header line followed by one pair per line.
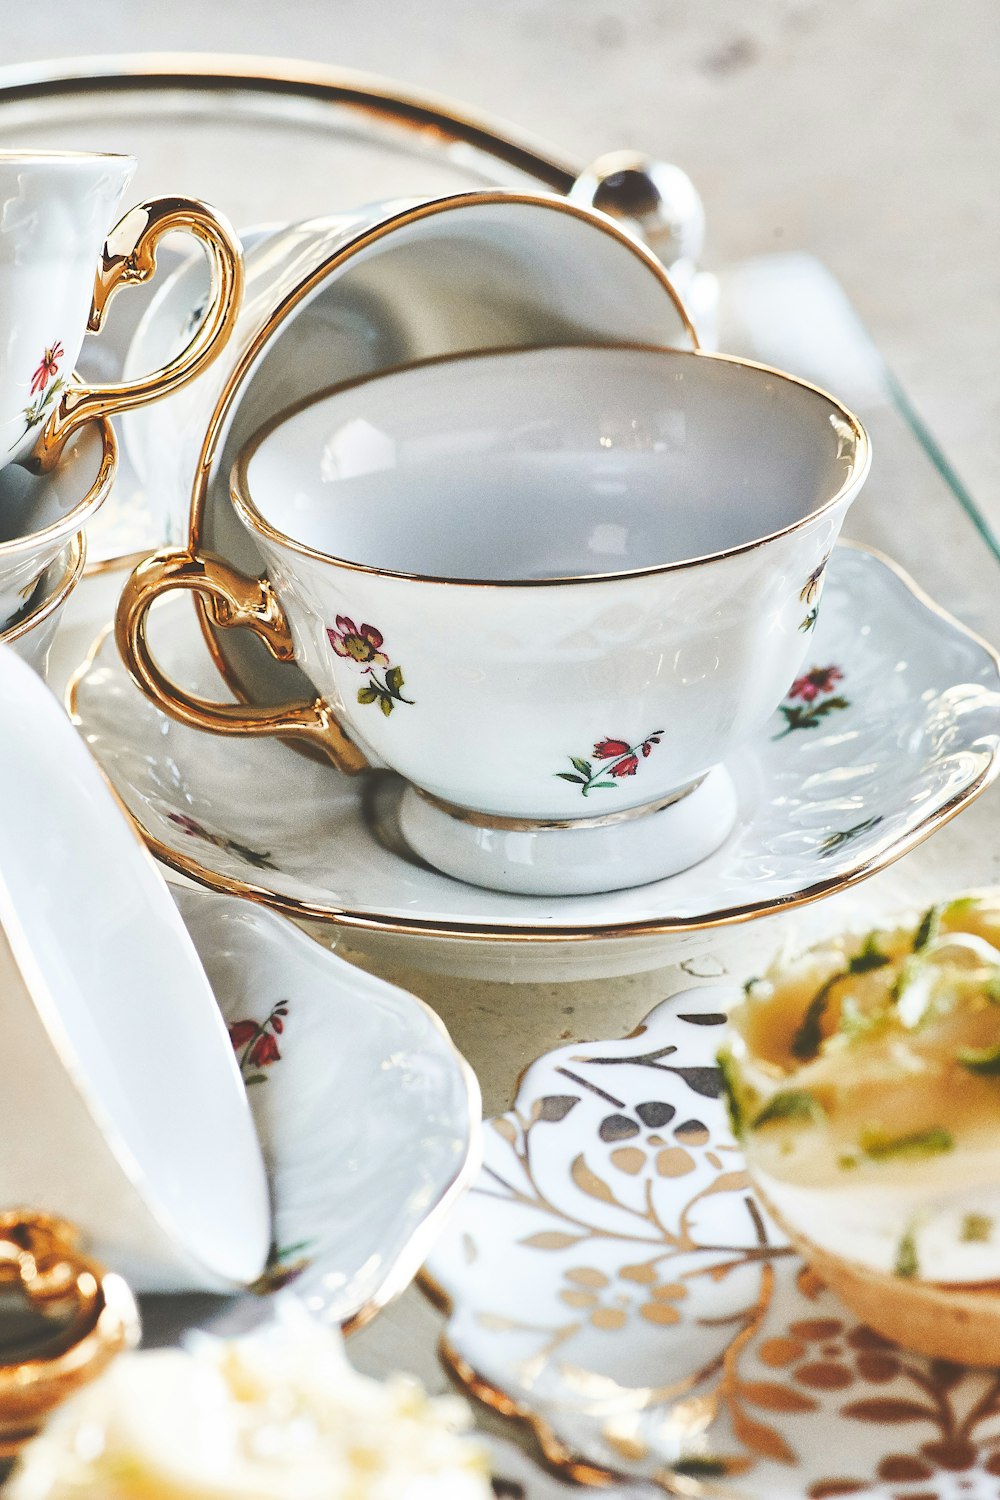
x,y
239,487
37,612
85,507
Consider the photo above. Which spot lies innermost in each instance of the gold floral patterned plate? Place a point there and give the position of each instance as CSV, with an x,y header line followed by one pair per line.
x,y
368,1116
612,1281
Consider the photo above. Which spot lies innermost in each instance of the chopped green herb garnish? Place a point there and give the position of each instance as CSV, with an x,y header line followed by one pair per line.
x,y
927,929
870,957
748,985
991,990
960,906
906,1256
809,1037
976,1229
878,1146
847,1163
983,1060
740,1100
855,1024
790,1104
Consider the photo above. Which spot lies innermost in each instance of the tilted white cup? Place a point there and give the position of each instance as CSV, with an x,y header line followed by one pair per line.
x,y
121,1099
548,587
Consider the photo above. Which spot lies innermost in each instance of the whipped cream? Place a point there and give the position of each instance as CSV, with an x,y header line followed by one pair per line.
x,y
864,1082
276,1415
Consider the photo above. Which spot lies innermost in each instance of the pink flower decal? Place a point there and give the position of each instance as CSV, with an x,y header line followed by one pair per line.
x,y
812,706
256,1042
358,642
816,681
48,367
619,759
361,644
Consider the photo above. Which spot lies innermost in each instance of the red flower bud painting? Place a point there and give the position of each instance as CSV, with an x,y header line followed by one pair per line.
x,y
615,758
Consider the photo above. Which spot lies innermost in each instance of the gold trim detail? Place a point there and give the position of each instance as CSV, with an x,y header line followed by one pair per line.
x,y
538,825
239,488
48,606
82,511
489,933
41,1255
129,259
236,600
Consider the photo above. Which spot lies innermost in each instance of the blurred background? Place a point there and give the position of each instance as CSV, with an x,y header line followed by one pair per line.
x,y
864,132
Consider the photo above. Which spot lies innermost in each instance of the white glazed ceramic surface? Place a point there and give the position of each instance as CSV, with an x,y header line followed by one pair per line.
x,y
123,1108
55,210
339,298
30,634
40,513
367,1115
893,727
613,1280
611,468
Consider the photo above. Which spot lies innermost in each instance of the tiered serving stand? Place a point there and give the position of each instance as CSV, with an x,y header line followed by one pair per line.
x,y
269,141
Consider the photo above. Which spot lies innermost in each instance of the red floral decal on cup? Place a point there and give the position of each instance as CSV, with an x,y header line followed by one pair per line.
x,y
46,371
256,1043
361,645
812,706
619,759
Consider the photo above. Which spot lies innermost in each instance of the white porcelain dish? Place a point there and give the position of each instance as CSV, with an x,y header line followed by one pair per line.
x,y
613,1283
368,1117
896,731
124,1110
31,632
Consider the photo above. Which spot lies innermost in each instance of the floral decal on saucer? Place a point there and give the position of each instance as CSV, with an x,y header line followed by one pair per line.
x,y
46,383
256,1043
362,644
812,690
617,759
809,595
197,830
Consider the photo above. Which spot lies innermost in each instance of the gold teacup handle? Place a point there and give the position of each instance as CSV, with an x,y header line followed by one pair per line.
x,y
129,259
41,1255
234,600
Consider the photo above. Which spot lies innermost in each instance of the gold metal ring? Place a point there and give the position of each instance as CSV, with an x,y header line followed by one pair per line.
x,y
537,825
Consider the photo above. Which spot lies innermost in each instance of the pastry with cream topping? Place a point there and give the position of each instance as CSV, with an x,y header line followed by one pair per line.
x,y
863,1080
276,1415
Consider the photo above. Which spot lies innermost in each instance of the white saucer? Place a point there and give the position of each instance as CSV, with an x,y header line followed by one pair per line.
x,y
368,1117
836,787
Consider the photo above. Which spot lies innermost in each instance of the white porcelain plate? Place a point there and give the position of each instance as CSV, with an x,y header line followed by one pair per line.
x,y
613,1282
367,1115
892,728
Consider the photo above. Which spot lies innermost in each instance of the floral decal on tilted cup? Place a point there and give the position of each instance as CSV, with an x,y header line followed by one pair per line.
x,y
809,595
812,706
361,644
46,383
618,758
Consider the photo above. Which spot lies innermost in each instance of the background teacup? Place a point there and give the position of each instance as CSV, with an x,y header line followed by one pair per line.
x,y
31,631
120,1094
59,268
546,586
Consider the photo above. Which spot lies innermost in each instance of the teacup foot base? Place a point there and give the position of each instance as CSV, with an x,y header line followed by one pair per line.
x,y
574,861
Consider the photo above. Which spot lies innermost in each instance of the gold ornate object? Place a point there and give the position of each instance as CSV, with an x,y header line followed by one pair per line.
x,y
40,1255
129,259
528,825
235,600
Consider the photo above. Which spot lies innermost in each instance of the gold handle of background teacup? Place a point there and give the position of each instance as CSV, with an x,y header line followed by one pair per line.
x,y
129,259
40,1255
234,600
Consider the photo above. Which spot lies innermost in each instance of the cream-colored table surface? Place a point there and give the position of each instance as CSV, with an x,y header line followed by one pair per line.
x,y
863,132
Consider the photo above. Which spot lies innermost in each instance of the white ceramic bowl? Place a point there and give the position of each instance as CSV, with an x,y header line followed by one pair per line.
x,y
122,1102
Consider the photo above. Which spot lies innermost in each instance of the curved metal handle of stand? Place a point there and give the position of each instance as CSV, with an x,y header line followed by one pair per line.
x,y
235,600
129,259
40,1255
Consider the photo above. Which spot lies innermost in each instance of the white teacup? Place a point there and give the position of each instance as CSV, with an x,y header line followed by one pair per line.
x,y
60,266
30,633
122,1104
552,588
